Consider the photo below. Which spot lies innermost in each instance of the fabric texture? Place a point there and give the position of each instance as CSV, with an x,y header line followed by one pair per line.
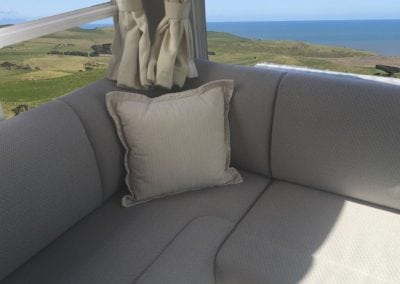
x,y
251,111
131,46
176,142
294,234
115,245
172,54
250,118
187,261
340,135
89,103
49,180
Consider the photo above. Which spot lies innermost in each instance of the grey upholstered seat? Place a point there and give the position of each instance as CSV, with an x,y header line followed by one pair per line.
x,y
112,243
338,135
48,181
116,245
326,148
295,234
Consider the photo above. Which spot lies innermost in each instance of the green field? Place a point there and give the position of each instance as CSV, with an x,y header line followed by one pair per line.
x,y
233,49
37,77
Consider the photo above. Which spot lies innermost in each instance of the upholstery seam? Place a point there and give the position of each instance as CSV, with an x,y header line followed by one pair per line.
x,y
173,239
237,225
91,144
273,120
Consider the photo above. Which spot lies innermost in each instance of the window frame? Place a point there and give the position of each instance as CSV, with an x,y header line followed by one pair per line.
x,y
56,23
51,24
202,46
33,29
199,27
44,26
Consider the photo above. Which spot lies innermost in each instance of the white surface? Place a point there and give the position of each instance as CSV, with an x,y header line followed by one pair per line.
x,y
305,69
37,28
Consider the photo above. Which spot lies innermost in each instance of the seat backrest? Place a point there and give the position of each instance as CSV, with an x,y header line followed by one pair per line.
x,y
49,180
250,118
251,111
62,160
339,134
89,105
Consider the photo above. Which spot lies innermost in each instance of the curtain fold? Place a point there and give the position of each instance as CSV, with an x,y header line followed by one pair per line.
x,y
172,54
131,46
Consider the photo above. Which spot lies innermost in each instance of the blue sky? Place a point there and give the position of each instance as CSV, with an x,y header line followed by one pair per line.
x,y
283,10
231,10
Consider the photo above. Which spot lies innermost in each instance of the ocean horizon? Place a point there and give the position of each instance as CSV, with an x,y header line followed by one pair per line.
x,y
379,36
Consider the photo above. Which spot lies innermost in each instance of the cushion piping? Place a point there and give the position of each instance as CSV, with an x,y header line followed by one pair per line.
x,y
272,122
237,224
174,238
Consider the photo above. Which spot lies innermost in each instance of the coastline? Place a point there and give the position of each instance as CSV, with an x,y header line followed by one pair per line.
x,y
379,36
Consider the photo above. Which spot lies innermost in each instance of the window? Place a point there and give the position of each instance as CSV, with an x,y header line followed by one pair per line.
x,y
36,71
19,11
40,69
343,36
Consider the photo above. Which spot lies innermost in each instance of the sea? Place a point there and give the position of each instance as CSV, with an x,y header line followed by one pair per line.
x,y
379,36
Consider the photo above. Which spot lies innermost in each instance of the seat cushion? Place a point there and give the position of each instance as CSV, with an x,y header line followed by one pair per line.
x,y
189,258
251,111
250,118
340,135
117,245
89,104
294,234
174,143
49,180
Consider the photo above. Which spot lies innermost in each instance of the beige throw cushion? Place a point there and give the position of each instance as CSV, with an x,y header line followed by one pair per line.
x,y
176,142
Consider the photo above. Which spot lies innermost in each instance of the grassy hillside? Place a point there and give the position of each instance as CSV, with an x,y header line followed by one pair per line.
x,y
233,49
34,76
38,77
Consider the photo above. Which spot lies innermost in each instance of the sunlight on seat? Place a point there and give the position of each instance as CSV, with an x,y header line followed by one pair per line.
x,y
362,247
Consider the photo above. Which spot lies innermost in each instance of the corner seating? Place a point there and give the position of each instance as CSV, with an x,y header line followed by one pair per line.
x,y
320,157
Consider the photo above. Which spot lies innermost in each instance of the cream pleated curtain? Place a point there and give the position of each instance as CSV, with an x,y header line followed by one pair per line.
x,y
172,54
171,60
131,46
